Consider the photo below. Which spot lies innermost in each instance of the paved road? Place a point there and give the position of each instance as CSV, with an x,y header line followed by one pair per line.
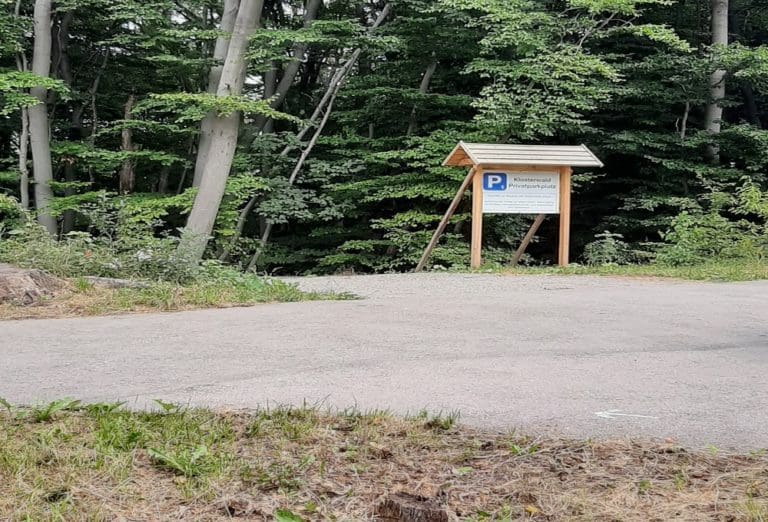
x,y
544,354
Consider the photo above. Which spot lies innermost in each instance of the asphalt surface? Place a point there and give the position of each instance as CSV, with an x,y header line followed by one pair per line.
x,y
576,356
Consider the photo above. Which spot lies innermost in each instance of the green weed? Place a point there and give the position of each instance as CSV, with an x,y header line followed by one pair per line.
x,y
121,432
754,510
46,412
169,407
190,462
644,486
681,480
292,423
523,450
284,515
284,476
82,285
98,409
439,421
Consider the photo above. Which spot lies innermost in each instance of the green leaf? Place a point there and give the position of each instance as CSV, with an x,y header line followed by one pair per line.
x,y
283,515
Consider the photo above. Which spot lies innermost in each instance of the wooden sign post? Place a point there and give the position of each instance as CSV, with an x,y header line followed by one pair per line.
x,y
476,251
515,179
565,216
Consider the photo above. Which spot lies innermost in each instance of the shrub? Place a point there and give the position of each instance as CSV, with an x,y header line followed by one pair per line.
x,y
114,247
11,214
608,249
716,234
80,254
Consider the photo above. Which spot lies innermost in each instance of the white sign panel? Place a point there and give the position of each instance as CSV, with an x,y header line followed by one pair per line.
x,y
521,193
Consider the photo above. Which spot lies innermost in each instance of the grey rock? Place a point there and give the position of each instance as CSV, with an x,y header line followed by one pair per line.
x,y
109,282
24,286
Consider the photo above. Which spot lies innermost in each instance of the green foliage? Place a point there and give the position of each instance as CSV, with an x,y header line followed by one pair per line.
x,y
718,232
697,238
192,107
100,160
608,249
121,243
268,45
190,462
438,421
284,515
622,7
630,78
12,215
535,97
46,412
15,84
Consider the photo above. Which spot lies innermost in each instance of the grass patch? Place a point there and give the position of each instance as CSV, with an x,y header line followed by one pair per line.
x,y
84,299
713,271
101,462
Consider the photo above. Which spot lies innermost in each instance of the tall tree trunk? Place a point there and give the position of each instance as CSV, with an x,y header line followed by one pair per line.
x,y
270,86
39,131
23,66
413,124
127,179
228,17
23,155
717,80
61,45
750,105
75,134
224,138
292,68
162,180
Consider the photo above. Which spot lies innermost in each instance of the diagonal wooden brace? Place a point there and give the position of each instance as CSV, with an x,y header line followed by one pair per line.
x,y
528,238
446,218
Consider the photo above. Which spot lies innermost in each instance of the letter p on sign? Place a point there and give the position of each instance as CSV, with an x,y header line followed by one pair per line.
x,y
495,181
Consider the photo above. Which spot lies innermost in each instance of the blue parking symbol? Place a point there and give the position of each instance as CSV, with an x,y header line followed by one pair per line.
x,y
495,181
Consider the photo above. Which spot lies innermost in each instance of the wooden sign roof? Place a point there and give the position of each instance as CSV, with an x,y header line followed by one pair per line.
x,y
469,154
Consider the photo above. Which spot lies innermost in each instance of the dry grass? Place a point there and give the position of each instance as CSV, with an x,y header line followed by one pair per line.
x,y
85,300
737,270
103,463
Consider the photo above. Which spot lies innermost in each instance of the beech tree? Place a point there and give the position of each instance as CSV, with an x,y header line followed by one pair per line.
x,y
224,127
227,24
306,136
714,111
39,134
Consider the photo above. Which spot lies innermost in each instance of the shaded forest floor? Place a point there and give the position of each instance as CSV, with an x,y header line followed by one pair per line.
x,y
100,462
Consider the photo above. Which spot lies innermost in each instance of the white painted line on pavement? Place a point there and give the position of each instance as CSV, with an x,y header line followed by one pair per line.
x,y
612,414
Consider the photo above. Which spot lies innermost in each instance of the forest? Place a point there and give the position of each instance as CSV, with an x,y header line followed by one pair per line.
x,y
143,138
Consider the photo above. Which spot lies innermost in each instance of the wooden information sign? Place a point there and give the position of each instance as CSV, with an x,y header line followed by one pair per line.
x,y
515,179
